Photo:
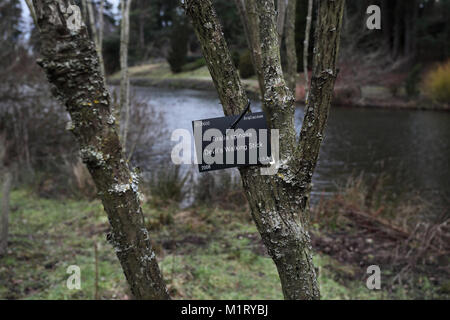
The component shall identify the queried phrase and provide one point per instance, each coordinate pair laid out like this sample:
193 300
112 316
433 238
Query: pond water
411 147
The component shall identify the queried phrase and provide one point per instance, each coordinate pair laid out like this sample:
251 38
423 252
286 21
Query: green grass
162 71
204 254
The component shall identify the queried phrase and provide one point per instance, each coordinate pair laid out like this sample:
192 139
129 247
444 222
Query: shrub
437 83
194 65
235 56
222 189
246 66
412 80
167 185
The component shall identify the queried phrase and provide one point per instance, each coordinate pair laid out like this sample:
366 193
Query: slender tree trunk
85 13
415 17
31 9
279 203
4 226
240 5
410 29
141 32
96 35
386 25
101 26
306 48
91 19
291 51
124 79
250 20
281 16
71 63
397 29
6 175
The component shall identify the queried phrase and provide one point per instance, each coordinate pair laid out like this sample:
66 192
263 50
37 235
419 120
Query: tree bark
124 79
278 203
306 48
291 51
71 64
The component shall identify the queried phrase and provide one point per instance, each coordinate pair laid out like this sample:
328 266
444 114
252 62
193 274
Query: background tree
291 48
279 203
306 47
281 17
6 174
124 76
249 18
97 35
10 12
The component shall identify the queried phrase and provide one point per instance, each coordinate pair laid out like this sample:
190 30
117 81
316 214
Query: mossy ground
204 253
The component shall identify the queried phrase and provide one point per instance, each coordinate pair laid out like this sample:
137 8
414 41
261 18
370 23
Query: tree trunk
84 11
396 47
415 17
4 196
4 225
291 51
278 203
281 16
250 20
101 26
95 35
410 29
31 9
386 25
71 63
124 79
306 48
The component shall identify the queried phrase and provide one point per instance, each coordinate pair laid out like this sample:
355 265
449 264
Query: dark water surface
411 147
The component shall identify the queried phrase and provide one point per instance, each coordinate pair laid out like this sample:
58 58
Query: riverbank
348 93
214 251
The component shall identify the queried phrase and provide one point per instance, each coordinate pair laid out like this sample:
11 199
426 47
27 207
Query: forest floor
204 253
362 90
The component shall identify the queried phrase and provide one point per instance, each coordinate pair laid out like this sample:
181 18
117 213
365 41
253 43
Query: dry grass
363 223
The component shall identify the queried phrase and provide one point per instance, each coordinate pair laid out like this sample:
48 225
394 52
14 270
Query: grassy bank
160 75
204 252
348 92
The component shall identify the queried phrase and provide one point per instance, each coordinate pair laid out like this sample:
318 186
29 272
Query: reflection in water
411 147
